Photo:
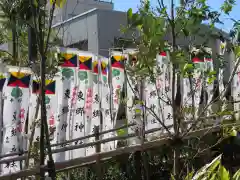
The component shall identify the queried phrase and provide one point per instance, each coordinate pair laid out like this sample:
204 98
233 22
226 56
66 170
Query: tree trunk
14 41
137 165
175 100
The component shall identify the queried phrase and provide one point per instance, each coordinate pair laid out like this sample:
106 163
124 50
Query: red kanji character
22 114
198 83
51 120
19 127
238 77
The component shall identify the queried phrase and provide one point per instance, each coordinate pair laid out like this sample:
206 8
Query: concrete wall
80 28
109 25
75 7
98 27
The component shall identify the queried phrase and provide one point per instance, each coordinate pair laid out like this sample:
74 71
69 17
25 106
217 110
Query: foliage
19 9
214 170
149 27
155 31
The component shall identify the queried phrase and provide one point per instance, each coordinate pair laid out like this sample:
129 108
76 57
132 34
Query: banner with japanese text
16 99
83 109
198 81
105 105
154 109
67 85
164 89
93 104
116 82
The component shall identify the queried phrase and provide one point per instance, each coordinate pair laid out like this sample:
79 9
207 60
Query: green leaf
237 51
189 176
224 174
172 177
213 177
211 80
188 67
236 176
227 7
129 13
213 167
233 132
121 132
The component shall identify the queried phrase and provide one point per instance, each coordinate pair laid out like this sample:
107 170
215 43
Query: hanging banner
105 105
51 107
94 103
222 49
227 106
188 89
153 111
117 79
209 73
164 86
67 85
16 100
134 111
82 111
197 81
210 77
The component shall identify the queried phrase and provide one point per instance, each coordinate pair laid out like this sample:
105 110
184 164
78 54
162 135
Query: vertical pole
32 45
110 84
43 116
1 121
144 153
98 149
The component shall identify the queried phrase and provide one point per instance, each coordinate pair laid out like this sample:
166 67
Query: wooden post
144 153
98 149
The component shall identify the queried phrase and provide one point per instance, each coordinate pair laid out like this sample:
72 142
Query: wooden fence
98 157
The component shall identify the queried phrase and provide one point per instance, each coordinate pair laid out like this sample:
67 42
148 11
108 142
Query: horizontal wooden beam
103 155
72 140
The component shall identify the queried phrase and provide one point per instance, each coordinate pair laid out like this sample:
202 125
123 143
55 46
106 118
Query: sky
124 5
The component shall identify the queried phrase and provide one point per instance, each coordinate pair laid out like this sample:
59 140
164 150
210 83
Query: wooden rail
106 155
72 140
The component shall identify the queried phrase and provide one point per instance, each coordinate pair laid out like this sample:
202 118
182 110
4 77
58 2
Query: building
75 7
95 26
95 30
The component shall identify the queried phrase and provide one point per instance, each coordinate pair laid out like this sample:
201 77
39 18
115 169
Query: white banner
66 101
16 100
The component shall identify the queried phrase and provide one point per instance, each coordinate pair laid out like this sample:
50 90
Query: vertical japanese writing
96 98
22 115
169 116
117 94
67 94
80 111
96 113
74 96
88 104
14 149
153 94
79 127
64 127
107 98
65 109
80 96
14 132
14 116
7 140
